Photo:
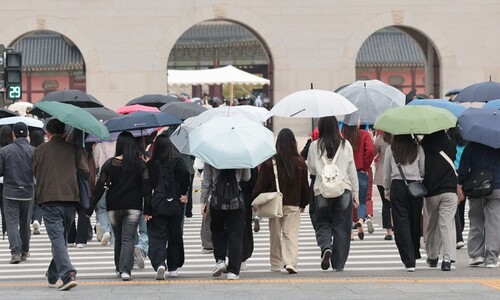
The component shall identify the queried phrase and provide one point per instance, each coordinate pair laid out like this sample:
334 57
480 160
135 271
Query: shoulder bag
416 189
270 204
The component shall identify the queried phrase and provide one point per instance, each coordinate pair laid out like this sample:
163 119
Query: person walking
406 209
483 243
57 192
382 142
171 179
227 220
441 200
126 179
292 179
18 192
333 216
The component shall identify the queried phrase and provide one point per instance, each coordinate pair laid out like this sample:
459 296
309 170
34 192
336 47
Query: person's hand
184 199
88 213
355 202
147 217
301 210
204 209
460 193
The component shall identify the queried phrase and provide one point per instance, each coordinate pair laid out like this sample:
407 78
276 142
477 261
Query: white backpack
332 184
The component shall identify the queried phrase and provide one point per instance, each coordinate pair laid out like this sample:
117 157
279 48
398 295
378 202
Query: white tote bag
270 204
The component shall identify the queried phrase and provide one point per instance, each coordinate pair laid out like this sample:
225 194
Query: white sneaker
493 265
476 261
206 251
125 276
220 268
410 269
80 246
139 260
369 224
71 245
98 229
160 273
188 219
243 266
105 238
232 276
36 227
460 245
173 273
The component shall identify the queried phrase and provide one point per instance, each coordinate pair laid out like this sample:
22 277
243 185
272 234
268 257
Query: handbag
477 184
416 189
270 204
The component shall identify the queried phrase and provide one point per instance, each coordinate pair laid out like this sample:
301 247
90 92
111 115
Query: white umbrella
232 143
21 107
312 104
26 120
372 98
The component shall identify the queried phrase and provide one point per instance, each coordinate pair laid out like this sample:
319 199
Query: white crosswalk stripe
96 261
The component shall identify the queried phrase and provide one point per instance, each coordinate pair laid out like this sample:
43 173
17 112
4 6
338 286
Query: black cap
20 129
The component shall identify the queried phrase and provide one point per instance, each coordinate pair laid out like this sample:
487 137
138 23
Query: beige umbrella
21 107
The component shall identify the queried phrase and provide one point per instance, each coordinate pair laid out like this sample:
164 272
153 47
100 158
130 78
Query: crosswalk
96 261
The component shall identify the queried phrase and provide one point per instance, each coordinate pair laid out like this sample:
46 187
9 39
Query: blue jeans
141 240
124 223
103 219
363 191
58 218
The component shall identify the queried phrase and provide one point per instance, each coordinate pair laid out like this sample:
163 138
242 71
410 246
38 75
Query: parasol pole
231 93
312 119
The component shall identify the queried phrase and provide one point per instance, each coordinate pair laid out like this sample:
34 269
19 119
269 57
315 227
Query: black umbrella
74 97
4 113
102 113
183 110
156 100
479 92
142 120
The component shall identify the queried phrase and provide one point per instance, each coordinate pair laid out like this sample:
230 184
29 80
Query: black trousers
386 209
312 202
81 230
406 215
189 204
227 236
163 230
247 231
460 221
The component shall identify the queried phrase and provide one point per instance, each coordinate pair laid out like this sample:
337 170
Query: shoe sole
68 286
325 260
371 229
361 235
218 272
291 270
105 239
477 263
15 262
139 259
160 274
256 225
98 229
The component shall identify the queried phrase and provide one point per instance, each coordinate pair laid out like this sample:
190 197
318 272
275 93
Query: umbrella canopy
183 110
28 121
74 116
232 143
413 119
74 97
312 104
453 92
372 97
455 109
142 120
102 113
4 113
114 135
480 92
180 137
21 107
480 125
135 108
492 104
156 100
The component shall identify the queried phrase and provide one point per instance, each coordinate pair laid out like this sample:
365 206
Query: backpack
165 199
226 194
332 184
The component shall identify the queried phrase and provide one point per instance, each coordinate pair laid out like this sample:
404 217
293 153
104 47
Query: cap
20 129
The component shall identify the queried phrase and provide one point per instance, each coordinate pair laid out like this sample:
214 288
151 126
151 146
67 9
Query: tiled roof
216 33
48 51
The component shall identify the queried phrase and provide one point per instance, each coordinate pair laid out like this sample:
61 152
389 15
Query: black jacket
15 166
439 176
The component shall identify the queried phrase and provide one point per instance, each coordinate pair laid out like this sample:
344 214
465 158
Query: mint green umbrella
423 119
74 116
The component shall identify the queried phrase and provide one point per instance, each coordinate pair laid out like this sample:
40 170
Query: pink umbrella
135 108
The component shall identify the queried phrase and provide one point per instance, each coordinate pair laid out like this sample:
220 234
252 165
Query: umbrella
480 125
28 121
180 137
114 135
232 143
4 113
480 92
74 97
453 92
135 108
312 104
142 120
156 100
74 116
21 107
455 109
372 97
183 110
102 113
415 119
492 104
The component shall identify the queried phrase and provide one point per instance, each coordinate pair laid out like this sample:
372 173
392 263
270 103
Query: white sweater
345 164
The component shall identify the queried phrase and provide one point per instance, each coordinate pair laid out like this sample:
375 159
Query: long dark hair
351 134
5 135
126 146
164 151
405 148
329 136
387 137
286 152
36 137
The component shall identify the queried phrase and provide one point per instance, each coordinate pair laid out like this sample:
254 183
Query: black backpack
165 199
226 194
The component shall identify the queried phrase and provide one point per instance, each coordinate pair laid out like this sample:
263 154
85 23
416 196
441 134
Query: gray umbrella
183 110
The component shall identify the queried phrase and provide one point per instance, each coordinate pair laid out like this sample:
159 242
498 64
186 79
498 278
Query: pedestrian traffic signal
13 75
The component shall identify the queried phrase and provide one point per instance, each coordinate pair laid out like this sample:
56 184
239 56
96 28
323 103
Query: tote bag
270 204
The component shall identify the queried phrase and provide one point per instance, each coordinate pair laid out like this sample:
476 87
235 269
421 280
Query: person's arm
311 158
99 187
146 191
2 162
369 153
387 171
206 187
421 161
264 180
304 187
463 169
183 175
351 170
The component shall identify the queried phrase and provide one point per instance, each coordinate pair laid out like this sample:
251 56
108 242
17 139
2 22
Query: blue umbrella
142 120
455 109
480 125
492 104
114 135
480 92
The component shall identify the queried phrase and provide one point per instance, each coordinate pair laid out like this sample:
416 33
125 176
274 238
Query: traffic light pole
2 81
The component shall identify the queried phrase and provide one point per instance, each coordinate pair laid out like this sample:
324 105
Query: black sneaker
446 265
325 259
433 263
15 259
69 283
